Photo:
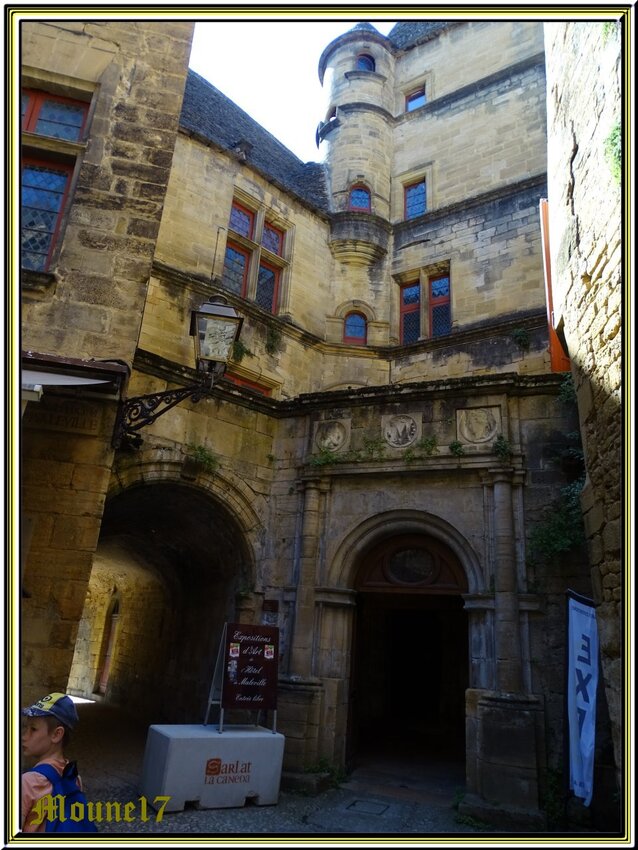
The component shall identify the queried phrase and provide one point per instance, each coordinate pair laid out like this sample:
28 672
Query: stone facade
587 256
363 497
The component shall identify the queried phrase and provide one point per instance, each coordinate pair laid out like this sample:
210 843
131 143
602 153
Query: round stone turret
357 72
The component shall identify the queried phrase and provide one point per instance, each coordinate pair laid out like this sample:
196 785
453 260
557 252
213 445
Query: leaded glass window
49 115
267 284
359 199
272 239
43 191
410 313
235 270
415 199
355 329
241 220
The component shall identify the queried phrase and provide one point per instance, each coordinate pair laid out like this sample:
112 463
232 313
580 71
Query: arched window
355 329
359 198
365 62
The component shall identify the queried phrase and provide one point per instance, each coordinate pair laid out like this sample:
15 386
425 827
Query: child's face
37 740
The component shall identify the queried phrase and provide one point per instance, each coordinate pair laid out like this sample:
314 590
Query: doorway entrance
410 660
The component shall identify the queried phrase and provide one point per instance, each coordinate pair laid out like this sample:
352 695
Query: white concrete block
196 764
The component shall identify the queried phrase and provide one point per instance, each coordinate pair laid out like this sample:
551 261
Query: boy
46 733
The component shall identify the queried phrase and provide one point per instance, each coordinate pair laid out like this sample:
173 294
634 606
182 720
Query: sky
269 69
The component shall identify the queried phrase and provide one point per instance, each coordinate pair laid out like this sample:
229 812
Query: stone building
369 473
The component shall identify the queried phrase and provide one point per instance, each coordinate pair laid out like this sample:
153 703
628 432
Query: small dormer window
359 198
365 62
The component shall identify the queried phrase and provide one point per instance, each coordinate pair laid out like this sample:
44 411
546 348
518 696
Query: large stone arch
374 530
180 547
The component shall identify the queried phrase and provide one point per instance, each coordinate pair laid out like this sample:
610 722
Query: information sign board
250 659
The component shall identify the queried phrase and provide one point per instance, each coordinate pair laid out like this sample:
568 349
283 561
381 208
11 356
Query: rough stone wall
584 106
90 303
93 306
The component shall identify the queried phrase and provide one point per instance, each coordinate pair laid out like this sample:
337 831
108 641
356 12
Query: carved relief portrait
332 435
478 424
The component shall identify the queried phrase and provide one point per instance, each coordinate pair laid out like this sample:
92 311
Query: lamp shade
215 326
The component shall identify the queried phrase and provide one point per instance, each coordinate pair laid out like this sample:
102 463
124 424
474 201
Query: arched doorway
169 563
410 659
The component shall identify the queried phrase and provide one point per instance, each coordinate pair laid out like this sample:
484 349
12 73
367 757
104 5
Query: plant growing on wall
613 151
502 449
456 448
273 340
239 351
521 338
560 528
203 457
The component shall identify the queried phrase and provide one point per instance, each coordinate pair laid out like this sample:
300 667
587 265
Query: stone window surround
424 82
45 148
259 254
425 172
422 275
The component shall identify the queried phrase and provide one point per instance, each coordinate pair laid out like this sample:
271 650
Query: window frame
251 216
268 225
240 249
408 309
37 98
412 95
53 165
355 340
359 186
438 302
369 58
406 188
276 270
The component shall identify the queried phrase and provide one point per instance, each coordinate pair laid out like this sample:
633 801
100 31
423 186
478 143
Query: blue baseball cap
55 705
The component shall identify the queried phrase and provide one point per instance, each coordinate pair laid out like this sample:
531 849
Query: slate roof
213 117
407 34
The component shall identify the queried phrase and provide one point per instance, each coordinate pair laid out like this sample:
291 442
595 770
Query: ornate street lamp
215 327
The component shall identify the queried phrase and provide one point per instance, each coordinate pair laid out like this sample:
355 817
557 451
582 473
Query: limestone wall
584 107
136 71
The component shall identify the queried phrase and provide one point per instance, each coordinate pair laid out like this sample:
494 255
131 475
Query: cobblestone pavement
377 800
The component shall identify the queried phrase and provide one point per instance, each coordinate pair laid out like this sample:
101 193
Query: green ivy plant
203 457
273 340
502 449
239 351
613 151
560 528
374 447
456 448
521 338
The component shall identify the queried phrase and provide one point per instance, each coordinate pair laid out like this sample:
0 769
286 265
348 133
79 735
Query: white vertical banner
582 683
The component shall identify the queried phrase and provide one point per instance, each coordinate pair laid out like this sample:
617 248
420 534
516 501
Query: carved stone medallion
478 424
400 431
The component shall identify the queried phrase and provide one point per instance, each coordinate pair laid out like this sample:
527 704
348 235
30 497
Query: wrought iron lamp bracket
135 413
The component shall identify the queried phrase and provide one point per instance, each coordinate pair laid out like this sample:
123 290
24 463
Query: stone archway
177 557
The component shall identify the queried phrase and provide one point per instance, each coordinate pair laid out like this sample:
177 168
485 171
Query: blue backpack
66 787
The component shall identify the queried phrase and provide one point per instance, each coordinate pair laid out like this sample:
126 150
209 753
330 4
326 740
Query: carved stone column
302 636
509 671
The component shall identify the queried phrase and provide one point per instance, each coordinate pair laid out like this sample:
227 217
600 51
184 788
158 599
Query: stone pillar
302 635
509 673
